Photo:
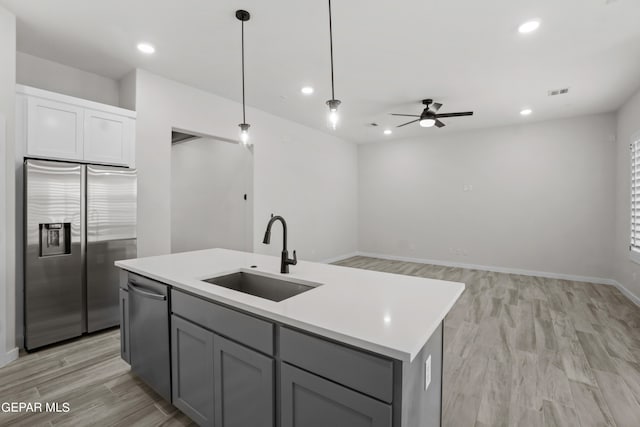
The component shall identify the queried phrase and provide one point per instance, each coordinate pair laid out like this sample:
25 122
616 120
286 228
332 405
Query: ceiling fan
430 116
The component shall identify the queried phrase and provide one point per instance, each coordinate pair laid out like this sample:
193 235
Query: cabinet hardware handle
137 290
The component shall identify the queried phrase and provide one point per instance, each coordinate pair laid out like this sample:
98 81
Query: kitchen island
322 346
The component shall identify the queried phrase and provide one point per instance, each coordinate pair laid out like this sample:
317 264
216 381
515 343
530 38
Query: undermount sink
261 286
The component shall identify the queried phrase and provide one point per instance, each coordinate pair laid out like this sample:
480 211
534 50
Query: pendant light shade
243 16
333 103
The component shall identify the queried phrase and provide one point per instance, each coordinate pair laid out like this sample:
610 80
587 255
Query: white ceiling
466 54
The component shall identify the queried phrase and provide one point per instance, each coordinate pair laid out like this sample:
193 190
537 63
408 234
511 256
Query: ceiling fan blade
435 107
467 113
439 124
404 115
408 123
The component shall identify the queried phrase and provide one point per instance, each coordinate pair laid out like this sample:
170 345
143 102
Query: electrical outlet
427 372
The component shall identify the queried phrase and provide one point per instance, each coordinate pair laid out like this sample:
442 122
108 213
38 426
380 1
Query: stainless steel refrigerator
79 219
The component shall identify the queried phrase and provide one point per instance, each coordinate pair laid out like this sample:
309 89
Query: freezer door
53 291
111 236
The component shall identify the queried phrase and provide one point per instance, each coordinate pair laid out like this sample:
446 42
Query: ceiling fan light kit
427 122
429 116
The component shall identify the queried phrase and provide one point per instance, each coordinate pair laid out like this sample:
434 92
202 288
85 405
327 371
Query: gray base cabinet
311 401
218 382
226 368
244 386
192 361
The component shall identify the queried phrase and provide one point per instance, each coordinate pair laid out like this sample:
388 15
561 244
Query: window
634 246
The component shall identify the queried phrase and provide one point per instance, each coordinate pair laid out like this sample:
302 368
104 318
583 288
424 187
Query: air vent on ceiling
556 92
180 137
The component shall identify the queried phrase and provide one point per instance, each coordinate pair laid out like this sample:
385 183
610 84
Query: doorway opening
211 193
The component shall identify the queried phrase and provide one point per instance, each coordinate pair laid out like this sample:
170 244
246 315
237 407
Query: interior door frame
249 185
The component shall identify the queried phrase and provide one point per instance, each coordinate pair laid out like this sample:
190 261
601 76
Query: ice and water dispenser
55 239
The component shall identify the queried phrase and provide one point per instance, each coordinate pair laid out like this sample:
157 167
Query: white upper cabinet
54 129
108 138
56 126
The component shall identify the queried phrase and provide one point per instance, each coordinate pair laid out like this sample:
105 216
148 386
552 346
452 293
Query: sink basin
261 286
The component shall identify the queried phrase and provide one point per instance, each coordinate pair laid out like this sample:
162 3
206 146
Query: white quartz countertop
389 314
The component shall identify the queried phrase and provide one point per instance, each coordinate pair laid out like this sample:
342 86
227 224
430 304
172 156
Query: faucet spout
285 260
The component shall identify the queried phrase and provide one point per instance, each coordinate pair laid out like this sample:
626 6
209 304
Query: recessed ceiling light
526 112
388 132
529 26
307 90
146 48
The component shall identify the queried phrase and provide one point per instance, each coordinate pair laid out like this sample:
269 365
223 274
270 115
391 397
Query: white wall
542 199
209 178
49 75
7 187
127 91
625 271
309 177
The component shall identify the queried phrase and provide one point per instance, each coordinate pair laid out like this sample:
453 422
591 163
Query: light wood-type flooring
529 351
519 351
88 374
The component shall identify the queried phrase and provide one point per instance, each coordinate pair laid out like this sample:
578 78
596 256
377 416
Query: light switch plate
427 372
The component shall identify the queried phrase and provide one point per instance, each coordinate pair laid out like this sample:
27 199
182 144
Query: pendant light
333 103
243 16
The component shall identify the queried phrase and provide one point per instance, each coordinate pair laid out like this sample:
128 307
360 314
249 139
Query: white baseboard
588 279
340 258
597 280
626 292
8 357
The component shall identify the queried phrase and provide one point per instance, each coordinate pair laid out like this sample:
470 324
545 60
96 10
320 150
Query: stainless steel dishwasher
149 333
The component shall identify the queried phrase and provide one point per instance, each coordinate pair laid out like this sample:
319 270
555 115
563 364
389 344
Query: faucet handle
294 261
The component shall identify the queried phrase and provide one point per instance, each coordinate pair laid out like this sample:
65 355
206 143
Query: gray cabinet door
192 359
244 386
124 325
310 401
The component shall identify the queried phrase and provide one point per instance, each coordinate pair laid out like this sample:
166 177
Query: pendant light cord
244 119
333 94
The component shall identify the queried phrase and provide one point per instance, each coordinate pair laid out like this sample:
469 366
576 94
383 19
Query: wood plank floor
520 351
529 351
88 374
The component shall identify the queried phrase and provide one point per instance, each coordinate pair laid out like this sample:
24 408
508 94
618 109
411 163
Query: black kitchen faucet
284 261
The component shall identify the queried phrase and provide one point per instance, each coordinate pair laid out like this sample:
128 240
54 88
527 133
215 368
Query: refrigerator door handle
145 293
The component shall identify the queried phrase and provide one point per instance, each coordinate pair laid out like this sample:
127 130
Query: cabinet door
108 138
192 359
124 325
244 386
310 401
54 130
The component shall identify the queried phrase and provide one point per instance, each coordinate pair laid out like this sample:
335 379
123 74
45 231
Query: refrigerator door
53 228
111 236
